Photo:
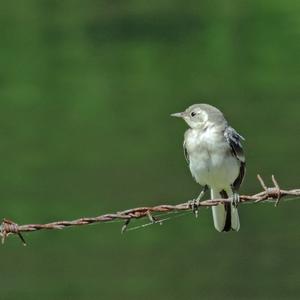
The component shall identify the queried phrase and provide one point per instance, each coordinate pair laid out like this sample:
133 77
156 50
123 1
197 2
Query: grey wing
186 155
234 140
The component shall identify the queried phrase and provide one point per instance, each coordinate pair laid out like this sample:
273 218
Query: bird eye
193 114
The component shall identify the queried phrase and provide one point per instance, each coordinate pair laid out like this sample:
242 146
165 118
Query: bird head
200 115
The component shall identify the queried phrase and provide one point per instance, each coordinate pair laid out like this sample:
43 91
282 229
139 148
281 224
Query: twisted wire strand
269 194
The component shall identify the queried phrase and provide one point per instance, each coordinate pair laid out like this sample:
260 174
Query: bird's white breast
211 161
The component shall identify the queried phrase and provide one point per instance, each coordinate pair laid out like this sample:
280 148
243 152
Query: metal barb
278 190
3 236
262 182
263 185
124 227
151 218
22 239
9 227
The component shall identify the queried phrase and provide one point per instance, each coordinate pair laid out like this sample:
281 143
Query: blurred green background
86 91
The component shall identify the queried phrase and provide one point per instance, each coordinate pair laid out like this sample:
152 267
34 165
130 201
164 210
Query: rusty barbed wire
272 194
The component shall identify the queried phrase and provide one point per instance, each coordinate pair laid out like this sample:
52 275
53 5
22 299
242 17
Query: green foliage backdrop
86 91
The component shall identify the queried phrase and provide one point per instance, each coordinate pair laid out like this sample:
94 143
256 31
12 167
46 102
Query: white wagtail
216 159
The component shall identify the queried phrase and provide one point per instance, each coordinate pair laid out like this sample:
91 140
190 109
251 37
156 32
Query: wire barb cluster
272 194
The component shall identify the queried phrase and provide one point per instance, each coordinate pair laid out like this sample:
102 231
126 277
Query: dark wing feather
234 140
186 155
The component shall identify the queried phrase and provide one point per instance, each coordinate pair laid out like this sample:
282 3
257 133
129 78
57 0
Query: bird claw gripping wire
194 206
195 203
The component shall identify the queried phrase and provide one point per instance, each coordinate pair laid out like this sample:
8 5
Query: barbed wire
270 194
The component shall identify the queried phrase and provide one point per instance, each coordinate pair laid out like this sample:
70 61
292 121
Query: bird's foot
195 203
235 199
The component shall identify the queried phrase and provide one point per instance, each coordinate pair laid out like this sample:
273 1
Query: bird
214 153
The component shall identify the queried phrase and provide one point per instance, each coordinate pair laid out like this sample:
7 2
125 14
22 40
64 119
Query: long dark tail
227 206
225 215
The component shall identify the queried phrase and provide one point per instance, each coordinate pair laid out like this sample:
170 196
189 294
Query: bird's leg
194 204
235 197
205 188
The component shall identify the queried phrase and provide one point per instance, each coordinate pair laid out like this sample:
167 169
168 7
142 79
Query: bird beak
178 115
